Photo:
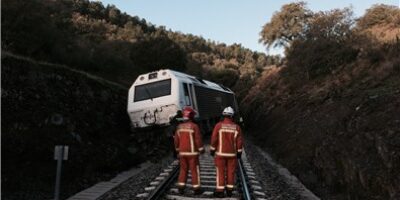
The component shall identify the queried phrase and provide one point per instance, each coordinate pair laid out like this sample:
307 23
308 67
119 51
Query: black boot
198 191
229 193
219 194
181 190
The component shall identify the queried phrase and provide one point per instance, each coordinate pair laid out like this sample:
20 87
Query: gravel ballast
137 184
276 180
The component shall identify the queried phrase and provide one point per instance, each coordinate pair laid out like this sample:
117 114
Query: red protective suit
189 144
226 141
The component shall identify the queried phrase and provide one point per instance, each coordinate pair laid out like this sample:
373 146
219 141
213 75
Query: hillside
104 41
338 134
330 113
46 105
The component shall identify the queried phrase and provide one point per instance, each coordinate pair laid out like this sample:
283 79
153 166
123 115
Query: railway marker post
60 154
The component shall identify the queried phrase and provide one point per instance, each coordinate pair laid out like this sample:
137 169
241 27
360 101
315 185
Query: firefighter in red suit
189 145
227 146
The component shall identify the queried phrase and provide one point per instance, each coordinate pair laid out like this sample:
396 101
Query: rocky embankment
339 134
44 105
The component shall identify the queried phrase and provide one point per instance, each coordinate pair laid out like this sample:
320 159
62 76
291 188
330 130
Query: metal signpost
60 154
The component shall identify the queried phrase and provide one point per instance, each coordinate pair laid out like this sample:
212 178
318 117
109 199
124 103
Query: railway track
164 186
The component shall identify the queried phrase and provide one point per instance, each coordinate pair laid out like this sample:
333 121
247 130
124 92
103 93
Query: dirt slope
340 134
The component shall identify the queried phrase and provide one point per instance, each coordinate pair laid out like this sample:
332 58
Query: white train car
154 98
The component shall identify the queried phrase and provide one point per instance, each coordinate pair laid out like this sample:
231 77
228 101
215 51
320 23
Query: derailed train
154 98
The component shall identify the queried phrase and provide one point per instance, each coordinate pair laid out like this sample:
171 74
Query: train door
191 100
187 97
192 96
205 125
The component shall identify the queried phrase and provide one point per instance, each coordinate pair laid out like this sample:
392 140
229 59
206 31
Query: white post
59 151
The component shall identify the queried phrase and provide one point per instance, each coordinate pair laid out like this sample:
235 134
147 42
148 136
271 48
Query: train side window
186 93
191 94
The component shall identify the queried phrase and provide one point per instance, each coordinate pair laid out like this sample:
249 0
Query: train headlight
153 75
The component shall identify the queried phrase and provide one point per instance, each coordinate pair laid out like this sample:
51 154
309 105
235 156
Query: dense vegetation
330 111
316 43
102 40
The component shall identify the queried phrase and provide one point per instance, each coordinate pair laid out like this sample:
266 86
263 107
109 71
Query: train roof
200 82
192 79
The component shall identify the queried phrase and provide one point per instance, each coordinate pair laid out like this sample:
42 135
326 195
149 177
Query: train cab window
186 93
152 90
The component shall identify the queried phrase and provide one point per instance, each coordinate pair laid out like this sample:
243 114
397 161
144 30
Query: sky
226 21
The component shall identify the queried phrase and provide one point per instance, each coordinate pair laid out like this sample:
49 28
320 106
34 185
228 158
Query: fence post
60 154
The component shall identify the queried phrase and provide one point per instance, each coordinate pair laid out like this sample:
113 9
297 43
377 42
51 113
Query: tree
158 53
227 77
286 25
333 25
96 10
29 29
380 14
114 14
327 43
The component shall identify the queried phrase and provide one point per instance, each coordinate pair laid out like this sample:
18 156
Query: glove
212 153
239 155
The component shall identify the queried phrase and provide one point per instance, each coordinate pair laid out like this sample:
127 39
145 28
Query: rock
57 119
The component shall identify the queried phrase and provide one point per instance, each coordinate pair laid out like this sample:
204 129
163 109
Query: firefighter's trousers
189 163
227 164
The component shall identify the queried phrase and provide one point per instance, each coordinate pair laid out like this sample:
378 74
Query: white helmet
228 111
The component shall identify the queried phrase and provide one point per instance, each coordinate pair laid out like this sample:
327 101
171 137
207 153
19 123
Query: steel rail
163 186
245 188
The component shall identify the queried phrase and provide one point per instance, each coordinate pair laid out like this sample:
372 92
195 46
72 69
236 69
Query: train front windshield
152 90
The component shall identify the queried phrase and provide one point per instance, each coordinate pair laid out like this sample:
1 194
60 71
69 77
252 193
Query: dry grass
386 33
